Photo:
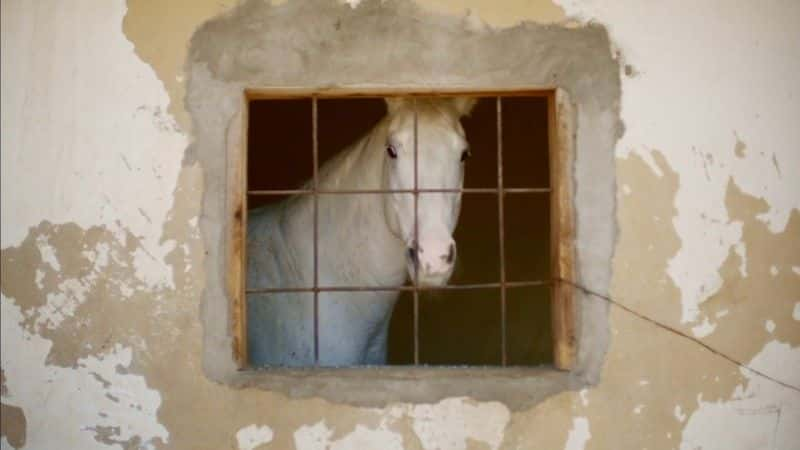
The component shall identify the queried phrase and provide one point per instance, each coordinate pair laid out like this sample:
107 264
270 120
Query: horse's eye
465 155
391 151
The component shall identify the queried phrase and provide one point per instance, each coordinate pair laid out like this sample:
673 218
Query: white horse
363 239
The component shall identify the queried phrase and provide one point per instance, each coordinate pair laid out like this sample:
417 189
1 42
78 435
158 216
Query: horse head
441 148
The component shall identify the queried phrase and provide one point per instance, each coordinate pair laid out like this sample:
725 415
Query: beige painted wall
102 262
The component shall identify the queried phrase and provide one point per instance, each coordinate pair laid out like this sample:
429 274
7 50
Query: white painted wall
706 76
709 74
86 137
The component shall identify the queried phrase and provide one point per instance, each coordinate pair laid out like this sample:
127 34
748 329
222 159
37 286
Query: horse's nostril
451 255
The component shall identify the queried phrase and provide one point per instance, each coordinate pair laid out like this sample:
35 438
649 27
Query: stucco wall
103 263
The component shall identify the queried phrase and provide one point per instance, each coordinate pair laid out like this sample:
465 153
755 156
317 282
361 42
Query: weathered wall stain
13 426
759 287
643 385
75 251
159 32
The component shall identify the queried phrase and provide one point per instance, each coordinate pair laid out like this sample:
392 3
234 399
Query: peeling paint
760 415
159 34
318 437
679 415
704 329
450 424
702 222
93 386
253 436
741 250
584 393
579 435
13 426
103 128
48 255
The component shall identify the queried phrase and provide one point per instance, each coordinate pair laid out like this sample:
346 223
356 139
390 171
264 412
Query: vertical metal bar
416 236
241 337
501 233
315 151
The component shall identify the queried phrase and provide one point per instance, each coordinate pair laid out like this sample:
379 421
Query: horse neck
353 226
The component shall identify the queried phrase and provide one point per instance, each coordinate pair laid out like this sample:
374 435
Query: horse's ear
464 105
393 104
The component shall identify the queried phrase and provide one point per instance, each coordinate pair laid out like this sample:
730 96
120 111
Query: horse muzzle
431 262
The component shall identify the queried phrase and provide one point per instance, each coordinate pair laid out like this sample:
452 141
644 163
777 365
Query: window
503 304
238 57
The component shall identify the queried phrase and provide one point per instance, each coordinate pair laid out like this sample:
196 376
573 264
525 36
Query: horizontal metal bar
401 191
370 91
449 287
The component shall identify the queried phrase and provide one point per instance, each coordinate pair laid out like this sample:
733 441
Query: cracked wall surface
103 262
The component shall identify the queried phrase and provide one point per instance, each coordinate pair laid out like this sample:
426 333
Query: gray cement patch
321 45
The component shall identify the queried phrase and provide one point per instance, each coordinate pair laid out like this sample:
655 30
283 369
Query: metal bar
275 93
241 312
400 191
404 288
416 236
315 150
501 233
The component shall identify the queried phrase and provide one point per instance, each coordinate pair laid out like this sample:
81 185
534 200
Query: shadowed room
456 326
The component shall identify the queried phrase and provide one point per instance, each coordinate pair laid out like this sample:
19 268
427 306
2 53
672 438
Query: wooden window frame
562 228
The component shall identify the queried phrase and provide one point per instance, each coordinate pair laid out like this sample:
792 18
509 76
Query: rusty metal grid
415 288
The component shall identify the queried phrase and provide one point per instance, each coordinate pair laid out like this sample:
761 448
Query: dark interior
457 327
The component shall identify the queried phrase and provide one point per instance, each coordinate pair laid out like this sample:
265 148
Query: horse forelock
431 108
436 116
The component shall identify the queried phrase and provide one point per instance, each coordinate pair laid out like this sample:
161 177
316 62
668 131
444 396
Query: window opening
492 308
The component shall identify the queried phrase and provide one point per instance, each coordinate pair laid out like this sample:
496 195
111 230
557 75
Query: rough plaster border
319 44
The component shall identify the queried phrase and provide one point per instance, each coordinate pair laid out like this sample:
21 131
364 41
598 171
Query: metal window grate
500 191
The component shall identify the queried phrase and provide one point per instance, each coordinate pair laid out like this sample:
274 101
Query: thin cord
677 332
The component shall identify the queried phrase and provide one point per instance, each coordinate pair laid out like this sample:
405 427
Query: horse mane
334 171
